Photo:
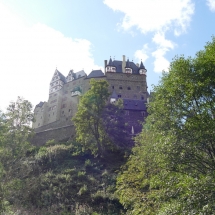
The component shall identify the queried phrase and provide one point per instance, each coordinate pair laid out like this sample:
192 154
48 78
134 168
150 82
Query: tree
14 134
97 121
180 148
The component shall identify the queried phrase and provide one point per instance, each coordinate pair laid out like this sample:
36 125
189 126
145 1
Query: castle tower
127 81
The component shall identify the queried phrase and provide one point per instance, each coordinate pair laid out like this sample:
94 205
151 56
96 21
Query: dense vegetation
171 169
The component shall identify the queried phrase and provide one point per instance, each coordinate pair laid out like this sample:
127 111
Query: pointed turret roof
141 66
110 62
114 95
127 64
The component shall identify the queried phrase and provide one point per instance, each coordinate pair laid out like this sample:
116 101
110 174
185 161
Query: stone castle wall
60 134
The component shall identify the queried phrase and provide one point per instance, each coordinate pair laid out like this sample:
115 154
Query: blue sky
38 36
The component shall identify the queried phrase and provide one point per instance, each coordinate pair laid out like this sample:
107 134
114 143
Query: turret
113 97
128 68
142 69
110 67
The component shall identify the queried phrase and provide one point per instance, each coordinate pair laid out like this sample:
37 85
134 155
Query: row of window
52 108
125 96
128 88
55 83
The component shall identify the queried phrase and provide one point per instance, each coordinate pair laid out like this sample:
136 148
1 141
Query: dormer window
128 70
142 72
110 69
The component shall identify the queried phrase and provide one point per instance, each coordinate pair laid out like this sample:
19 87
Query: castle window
128 70
63 112
120 87
69 110
129 88
38 124
63 106
53 113
142 113
112 87
119 96
142 97
138 87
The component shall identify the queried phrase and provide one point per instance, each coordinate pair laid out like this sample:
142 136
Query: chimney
105 64
123 63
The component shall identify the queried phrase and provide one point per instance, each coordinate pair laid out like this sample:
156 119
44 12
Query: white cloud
29 56
158 17
142 53
163 46
154 15
211 4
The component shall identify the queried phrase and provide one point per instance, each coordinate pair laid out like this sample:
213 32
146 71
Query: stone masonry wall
60 134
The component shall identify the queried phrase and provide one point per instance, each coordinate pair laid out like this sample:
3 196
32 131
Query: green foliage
14 133
59 180
171 169
98 125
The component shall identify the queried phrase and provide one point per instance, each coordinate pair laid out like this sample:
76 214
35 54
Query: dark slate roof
40 104
110 62
132 65
127 64
130 104
142 66
80 74
114 95
95 74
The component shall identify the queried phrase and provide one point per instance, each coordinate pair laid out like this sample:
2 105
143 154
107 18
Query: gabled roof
130 104
62 77
80 74
96 74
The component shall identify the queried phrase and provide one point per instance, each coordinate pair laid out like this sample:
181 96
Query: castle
126 81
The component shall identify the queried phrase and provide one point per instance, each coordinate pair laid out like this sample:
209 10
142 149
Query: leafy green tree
14 134
97 122
177 143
